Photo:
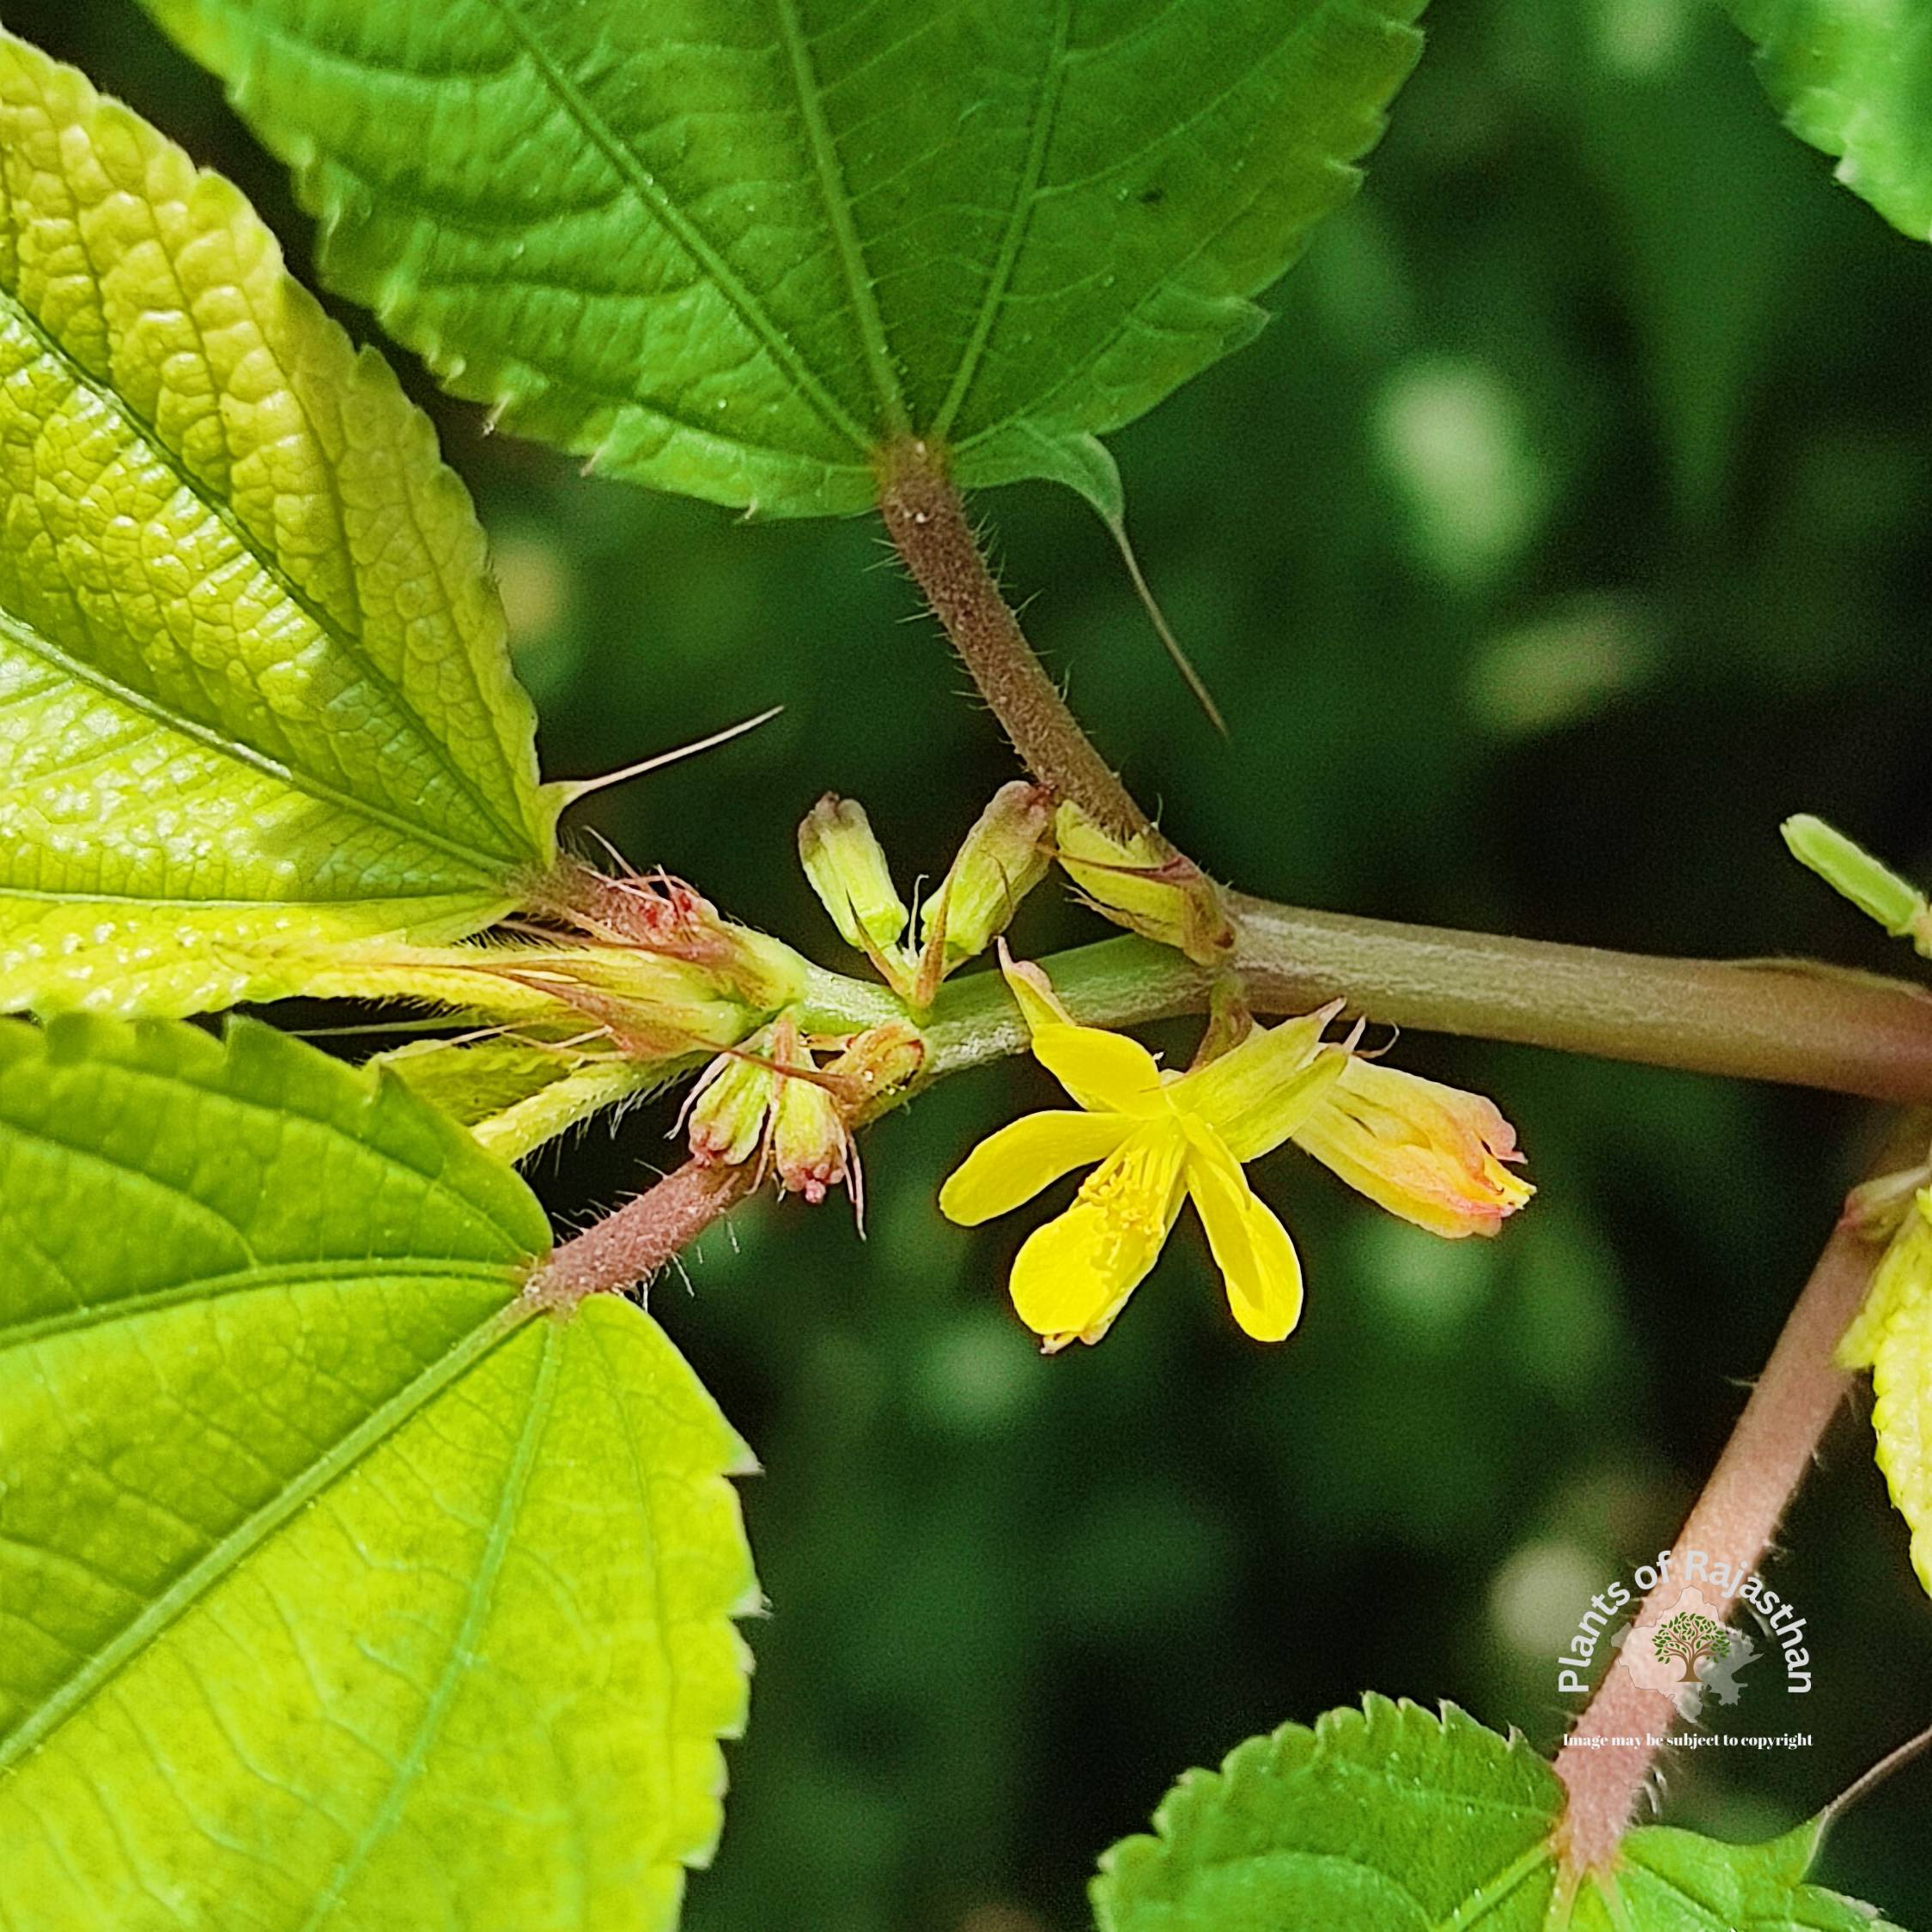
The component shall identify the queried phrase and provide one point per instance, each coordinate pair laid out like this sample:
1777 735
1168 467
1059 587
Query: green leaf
1854 77
1390 1819
339 1587
255 698
732 249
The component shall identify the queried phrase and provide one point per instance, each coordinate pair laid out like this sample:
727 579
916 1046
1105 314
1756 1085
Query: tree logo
1692 1636
1685 1651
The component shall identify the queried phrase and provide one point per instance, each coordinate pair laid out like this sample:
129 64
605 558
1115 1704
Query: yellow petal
1106 1073
1256 1096
1074 1274
1251 1248
1033 991
1012 1165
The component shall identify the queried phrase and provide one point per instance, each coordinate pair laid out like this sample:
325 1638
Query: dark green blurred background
1568 529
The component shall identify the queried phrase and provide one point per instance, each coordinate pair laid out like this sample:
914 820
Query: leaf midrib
837 199
174 1603
490 868
1045 107
117 405
679 225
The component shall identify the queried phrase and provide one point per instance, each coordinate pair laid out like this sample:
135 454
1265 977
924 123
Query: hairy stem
629 1246
926 519
1605 1763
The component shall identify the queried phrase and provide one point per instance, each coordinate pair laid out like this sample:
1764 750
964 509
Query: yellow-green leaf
340 1586
255 698
1892 1338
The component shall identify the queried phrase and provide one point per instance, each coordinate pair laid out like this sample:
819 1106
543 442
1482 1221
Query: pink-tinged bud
1002 859
660 917
1432 1154
809 1141
1144 884
769 1099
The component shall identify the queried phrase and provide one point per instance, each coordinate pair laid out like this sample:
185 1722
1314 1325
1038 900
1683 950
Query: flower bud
848 872
1002 859
1432 1154
809 1141
769 1096
1871 886
661 918
1144 884
731 1103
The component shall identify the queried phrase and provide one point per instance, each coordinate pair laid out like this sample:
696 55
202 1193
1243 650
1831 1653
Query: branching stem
1606 1762
1806 1025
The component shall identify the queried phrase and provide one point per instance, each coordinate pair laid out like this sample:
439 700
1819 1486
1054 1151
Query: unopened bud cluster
1003 858
653 969
771 1099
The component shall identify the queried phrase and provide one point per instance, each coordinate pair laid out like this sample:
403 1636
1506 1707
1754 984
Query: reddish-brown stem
1605 1763
928 525
626 1248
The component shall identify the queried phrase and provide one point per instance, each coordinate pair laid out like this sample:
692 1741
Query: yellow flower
1432 1154
1160 1139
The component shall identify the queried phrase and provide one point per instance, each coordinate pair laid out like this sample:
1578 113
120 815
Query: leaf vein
1025 198
17 631
68 1698
270 566
248 1281
859 282
644 184
478 1602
